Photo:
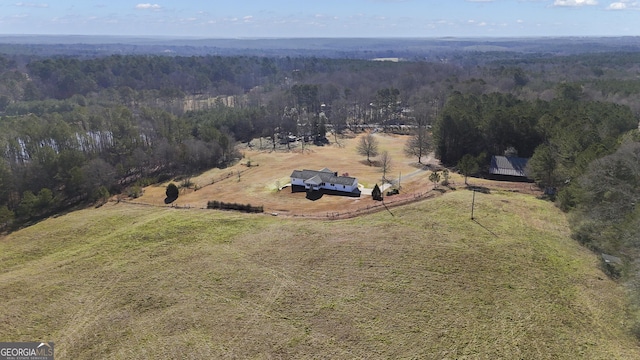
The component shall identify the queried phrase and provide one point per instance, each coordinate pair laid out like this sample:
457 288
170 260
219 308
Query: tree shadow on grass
480 189
169 200
373 162
484 227
314 195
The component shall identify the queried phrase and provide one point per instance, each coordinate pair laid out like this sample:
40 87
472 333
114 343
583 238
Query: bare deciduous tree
419 144
368 146
385 164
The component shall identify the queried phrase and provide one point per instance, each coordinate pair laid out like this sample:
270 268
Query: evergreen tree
172 191
468 165
376 193
435 179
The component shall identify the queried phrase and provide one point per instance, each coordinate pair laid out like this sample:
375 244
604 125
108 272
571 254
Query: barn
508 168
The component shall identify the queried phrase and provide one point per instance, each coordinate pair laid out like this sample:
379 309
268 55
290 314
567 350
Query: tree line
584 153
77 129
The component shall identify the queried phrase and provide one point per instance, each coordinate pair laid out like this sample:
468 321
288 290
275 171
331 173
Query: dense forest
75 130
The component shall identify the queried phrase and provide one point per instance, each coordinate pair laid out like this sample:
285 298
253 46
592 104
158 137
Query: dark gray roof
316 180
325 175
513 166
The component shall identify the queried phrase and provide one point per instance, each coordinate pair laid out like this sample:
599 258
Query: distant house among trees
509 168
325 179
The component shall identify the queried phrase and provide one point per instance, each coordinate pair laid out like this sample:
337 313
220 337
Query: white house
324 179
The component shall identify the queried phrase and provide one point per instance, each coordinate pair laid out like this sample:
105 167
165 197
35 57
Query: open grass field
128 281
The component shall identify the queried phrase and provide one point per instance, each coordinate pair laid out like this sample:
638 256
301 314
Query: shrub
100 194
26 206
234 206
134 192
163 177
146 181
445 176
6 216
393 192
186 182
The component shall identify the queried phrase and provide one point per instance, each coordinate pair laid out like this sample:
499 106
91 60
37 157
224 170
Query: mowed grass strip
420 281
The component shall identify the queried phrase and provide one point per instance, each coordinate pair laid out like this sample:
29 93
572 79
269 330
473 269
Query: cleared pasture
270 170
129 281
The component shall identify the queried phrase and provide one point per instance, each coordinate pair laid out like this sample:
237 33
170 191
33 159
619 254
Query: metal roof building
511 166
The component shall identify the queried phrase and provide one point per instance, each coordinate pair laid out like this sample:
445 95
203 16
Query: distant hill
361 48
125 281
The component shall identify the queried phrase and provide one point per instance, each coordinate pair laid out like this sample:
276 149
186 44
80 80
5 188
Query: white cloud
574 2
148 6
617 6
32 5
624 5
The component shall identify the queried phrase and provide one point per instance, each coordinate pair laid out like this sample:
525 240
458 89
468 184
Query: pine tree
376 193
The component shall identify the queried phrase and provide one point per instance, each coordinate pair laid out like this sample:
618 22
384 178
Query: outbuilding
509 168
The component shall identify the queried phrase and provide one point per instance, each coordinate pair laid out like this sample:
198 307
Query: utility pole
473 203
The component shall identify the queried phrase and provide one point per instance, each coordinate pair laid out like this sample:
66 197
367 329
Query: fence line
329 215
369 208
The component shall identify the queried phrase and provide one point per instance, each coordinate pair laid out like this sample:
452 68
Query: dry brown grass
258 184
126 282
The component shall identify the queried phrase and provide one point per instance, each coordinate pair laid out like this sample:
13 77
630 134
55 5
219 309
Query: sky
322 18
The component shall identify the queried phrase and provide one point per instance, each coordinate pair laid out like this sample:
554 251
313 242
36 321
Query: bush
45 199
234 206
27 205
146 181
134 192
186 182
100 194
612 270
6 216
163 177
445 175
